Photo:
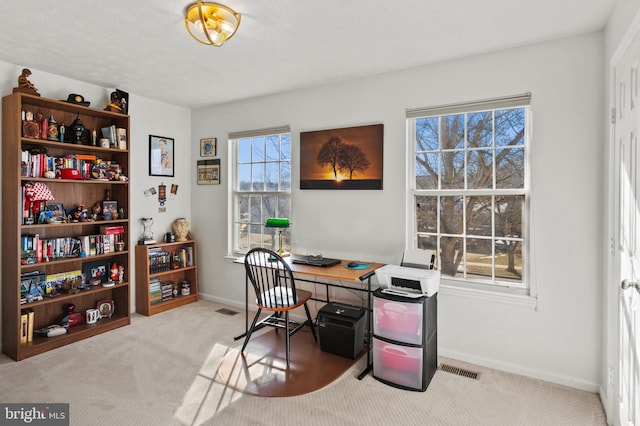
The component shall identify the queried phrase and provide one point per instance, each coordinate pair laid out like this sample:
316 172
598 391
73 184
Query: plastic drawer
398 320
397 364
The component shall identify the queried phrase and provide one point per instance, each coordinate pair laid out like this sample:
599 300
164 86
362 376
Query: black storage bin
342 329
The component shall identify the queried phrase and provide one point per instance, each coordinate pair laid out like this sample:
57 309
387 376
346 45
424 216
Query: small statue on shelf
115 104
120 273
24 85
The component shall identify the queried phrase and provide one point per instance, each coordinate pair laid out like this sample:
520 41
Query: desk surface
336 272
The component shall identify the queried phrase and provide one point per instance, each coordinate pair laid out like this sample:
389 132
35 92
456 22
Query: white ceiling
143 47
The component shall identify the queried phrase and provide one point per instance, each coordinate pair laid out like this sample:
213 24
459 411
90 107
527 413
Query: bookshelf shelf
146 256
18 152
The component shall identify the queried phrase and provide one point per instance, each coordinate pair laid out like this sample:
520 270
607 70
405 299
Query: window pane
480 169
451 255
509 211
479 216
509 260
255 209
269 207
479 258
427 170
452 170
272 176
285 147
257 172
452 131
257 149
255 236
244 177
285 176
243 205
428 242
480 129
510 127
284 206
427 214
451 215
242 231
427 134
273 148
510 168
244 151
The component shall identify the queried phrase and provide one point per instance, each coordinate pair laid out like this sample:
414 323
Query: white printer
407 281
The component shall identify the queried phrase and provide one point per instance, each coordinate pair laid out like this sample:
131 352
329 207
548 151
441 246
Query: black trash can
342 329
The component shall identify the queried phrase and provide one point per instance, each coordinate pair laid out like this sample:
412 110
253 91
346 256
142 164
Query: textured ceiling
143 47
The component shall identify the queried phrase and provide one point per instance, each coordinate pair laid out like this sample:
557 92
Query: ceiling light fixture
211 23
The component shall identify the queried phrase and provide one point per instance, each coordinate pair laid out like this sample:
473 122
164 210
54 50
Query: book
121 137
24 327
30 320
110 133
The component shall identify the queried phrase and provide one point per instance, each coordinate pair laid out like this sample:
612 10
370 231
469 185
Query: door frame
609 387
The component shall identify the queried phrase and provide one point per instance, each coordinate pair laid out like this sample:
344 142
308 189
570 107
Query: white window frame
234 191
522 293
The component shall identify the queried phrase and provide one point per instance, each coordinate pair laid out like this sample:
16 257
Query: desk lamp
281 224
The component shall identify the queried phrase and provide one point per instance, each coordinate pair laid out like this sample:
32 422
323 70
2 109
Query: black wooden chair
276 292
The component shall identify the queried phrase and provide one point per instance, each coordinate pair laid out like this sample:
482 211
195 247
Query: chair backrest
271 278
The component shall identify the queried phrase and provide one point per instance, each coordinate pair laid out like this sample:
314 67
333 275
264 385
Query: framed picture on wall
161 156
208 147
209 172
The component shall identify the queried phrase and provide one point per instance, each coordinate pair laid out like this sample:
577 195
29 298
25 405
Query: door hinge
613 116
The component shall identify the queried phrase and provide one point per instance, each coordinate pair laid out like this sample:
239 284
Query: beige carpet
162 370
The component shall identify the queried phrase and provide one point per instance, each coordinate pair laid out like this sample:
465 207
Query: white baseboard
521 370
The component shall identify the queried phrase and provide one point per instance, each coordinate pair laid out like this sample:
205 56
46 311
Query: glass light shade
211 23
277 222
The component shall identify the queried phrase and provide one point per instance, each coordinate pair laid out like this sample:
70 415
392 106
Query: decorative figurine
114 272
120 273
72 318
24 85
115 105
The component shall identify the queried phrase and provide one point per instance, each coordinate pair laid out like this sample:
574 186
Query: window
468 191
262 186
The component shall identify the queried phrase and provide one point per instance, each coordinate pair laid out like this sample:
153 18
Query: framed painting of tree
346 158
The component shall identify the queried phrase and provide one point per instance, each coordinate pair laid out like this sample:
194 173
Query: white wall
147 117
560 339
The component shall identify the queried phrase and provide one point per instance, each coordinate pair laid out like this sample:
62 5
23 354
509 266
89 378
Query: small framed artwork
109 209
161 156
208 147
209 172
56 209
97 270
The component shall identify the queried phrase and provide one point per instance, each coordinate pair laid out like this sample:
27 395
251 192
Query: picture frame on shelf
57 209
161 156
208 147
96 270
109 208
209 172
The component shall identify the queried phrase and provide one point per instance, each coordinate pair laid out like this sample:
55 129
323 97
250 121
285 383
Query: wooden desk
337 272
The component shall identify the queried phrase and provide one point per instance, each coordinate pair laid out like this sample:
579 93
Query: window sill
506 296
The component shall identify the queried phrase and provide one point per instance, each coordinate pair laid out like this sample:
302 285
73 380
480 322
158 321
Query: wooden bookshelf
69 193
148 271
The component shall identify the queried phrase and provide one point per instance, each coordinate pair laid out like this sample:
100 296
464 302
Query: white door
626 270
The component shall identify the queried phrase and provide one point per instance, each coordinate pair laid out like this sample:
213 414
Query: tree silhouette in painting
352 159
346 159
330 153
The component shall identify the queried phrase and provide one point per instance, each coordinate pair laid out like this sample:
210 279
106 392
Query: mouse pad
359 266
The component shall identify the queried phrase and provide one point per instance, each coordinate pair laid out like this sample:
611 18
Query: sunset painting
348 158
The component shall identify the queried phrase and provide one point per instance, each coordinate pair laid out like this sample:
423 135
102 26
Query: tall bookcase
170 264
18 142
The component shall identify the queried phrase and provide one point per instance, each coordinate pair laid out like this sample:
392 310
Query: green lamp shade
277 222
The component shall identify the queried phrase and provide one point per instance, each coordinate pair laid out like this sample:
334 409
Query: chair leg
286 320
253 324
310 322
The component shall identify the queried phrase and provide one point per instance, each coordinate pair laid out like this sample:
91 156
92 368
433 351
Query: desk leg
369 332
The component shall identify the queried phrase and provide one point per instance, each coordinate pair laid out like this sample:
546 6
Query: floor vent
459 371
226 311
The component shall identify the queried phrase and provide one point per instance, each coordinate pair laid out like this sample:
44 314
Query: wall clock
208 147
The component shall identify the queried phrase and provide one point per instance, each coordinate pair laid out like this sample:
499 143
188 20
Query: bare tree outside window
470 192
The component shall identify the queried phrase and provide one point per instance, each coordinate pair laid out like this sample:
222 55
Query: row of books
160 291
159 260
37 250
35 163
27 317
184 257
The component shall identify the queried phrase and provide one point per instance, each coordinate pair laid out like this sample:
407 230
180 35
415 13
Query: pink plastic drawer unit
401 365
398 320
